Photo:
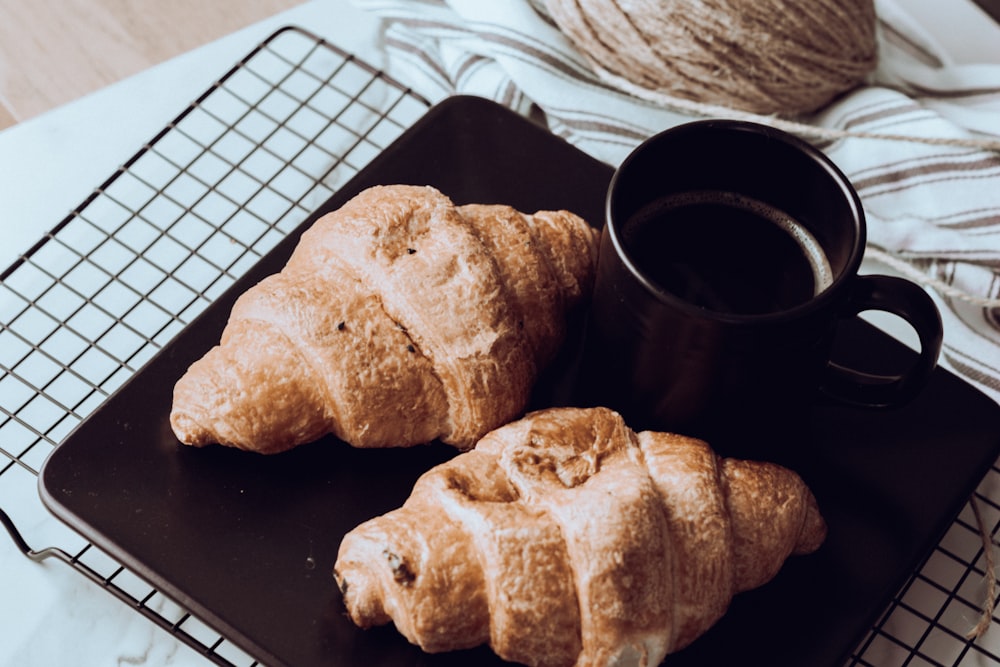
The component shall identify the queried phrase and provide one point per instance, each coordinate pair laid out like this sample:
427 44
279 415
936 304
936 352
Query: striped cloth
933 206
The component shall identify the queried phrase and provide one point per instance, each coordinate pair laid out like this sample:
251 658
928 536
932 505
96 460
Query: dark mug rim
840 281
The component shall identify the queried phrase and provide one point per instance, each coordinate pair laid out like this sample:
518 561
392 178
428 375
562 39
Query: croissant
400 318
565 538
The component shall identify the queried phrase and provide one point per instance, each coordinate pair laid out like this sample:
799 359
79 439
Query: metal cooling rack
927 621
113 282
154 244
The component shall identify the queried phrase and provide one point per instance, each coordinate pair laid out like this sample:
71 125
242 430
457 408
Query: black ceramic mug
729 255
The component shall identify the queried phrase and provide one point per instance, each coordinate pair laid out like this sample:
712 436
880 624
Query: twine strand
918 276
691 107
990 577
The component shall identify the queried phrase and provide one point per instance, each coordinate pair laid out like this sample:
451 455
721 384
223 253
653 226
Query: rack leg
37 556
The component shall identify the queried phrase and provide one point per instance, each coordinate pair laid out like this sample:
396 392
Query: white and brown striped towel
933 207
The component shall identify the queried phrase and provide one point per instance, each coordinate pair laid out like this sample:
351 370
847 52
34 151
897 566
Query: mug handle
910 302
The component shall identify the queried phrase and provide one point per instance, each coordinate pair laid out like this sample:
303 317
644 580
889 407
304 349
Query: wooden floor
54 51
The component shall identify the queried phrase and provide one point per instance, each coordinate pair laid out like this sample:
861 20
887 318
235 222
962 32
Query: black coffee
726 253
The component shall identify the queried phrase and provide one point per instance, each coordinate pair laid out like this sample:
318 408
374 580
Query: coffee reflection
726 252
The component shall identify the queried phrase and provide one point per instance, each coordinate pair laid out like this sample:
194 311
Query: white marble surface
50 614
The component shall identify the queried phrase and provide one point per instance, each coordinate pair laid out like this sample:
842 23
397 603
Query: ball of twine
784 57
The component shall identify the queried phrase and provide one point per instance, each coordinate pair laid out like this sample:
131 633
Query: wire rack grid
155 244
170 230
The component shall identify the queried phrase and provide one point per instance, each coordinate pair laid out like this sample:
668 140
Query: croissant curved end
814 529
187 430
362 597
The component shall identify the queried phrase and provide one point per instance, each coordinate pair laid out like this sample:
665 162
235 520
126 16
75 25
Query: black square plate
248 543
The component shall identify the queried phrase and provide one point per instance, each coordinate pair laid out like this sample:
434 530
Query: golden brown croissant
399 318
565 538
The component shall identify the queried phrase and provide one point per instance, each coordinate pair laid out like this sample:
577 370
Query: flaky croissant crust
567 539
399 319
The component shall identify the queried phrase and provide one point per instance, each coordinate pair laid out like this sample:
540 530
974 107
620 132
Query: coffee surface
726 253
